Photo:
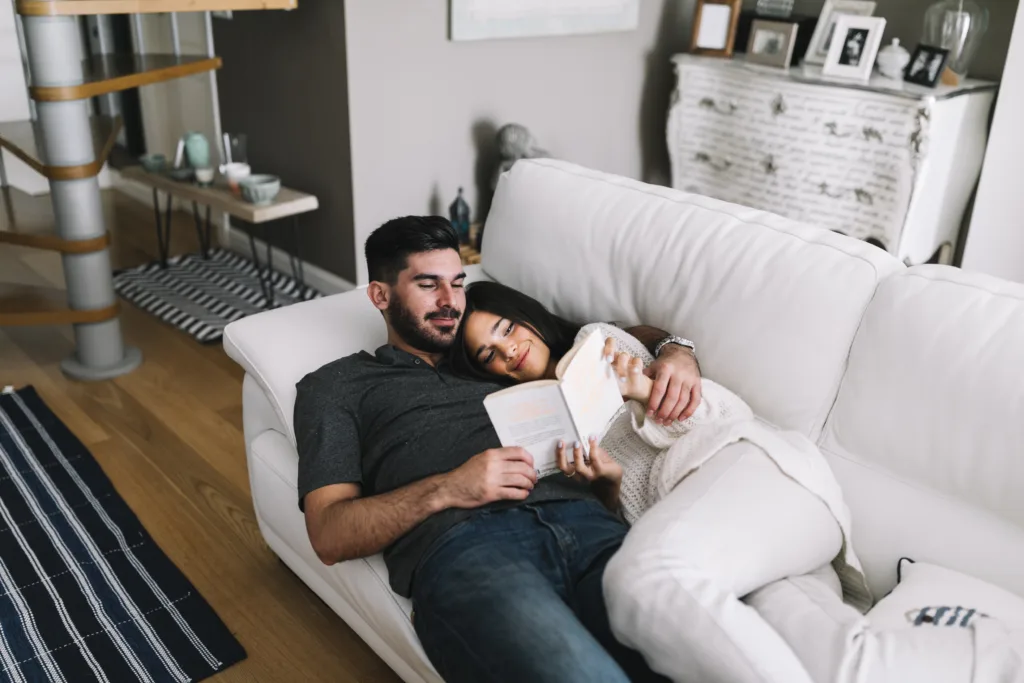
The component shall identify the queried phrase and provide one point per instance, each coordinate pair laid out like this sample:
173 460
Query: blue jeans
515 595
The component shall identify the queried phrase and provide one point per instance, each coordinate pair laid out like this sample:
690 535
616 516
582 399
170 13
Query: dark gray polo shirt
389 420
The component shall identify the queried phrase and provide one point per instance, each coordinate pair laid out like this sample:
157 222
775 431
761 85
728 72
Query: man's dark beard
417 333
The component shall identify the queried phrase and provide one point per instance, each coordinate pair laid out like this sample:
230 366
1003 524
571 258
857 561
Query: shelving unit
69 146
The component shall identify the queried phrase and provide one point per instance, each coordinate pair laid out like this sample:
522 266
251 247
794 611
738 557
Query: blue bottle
458 213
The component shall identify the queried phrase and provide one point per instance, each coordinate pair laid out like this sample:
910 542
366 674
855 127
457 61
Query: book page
534 418
590 387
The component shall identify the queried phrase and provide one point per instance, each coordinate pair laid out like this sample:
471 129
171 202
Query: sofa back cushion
927 433
771 304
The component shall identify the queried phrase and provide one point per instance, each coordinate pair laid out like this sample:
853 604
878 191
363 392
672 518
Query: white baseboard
316 277
236 240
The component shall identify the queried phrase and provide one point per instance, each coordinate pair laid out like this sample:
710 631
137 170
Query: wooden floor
169 436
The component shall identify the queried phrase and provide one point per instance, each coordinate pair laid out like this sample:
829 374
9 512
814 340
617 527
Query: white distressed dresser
885 161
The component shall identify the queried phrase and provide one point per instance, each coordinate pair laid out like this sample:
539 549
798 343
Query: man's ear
380 295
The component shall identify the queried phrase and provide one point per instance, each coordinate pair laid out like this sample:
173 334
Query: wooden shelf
23 305
104 74
51 8
288 202
24 140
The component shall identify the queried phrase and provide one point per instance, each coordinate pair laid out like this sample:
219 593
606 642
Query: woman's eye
511 326
488 358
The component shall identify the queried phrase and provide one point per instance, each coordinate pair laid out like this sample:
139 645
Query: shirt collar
392 355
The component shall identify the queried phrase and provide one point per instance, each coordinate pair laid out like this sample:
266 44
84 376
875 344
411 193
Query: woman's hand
633 383
600 470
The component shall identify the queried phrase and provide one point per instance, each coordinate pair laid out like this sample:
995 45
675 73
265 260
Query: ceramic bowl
153 163
260 188
204 176
235 172
181 173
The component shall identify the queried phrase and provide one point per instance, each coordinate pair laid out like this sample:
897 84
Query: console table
288 203
888 162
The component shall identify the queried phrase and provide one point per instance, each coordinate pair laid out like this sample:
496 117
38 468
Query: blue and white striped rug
85 593
201 296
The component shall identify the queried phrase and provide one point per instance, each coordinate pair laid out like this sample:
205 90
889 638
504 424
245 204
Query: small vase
958 26
197 149
892 60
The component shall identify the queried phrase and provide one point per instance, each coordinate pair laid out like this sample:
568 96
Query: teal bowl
259 188
182 173
154 163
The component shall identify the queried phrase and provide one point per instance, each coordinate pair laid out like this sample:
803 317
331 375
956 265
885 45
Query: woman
730 508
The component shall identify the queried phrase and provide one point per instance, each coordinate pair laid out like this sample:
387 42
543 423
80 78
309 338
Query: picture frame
714 27
821 41
926 65
771 43
854 47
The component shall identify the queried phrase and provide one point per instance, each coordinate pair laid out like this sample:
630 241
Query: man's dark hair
388 247
555 331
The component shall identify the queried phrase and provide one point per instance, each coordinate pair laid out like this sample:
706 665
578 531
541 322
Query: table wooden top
287 203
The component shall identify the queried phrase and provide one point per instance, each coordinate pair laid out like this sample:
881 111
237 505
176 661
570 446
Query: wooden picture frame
771 43
714 27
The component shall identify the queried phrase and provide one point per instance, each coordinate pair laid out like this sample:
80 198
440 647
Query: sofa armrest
279 347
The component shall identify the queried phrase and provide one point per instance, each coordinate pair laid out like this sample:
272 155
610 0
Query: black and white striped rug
85 593
200 296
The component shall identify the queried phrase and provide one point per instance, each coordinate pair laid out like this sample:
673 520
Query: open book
580 403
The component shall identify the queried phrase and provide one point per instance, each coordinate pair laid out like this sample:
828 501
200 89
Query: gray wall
424 109
283 84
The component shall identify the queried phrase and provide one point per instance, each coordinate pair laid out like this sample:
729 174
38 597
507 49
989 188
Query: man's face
425 305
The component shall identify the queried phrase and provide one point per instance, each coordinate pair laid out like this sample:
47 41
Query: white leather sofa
911 380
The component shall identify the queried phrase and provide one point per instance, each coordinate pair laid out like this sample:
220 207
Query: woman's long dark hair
558 333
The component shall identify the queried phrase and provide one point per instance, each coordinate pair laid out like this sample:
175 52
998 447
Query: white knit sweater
656 458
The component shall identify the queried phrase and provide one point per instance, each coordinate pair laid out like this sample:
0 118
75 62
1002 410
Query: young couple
515 578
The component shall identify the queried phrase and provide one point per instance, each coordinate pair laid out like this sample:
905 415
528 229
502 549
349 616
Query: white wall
172 108
420 105
14 102
995 242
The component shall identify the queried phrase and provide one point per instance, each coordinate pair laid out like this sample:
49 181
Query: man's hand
600 470
676 391
495 474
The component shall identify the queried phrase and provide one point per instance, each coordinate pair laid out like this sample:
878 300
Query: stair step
24 140
25 305
112 73
80 7
50 241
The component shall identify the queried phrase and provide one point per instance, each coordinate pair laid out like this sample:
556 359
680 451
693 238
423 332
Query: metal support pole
140 38
54 60
225 220
175 36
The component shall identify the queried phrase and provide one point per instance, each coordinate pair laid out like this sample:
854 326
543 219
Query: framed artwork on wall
821 41
493 19
714 27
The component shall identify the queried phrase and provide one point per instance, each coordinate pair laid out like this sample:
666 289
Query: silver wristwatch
671 339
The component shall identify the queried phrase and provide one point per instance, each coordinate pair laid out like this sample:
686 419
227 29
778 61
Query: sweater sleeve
717 405
624 341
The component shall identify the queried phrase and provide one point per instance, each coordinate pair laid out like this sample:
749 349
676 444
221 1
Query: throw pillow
932 596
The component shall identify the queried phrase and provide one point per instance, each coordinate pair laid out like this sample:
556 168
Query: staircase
69 146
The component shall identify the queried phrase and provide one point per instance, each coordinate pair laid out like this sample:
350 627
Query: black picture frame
926 65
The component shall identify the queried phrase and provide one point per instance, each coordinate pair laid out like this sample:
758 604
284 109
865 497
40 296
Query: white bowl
235 172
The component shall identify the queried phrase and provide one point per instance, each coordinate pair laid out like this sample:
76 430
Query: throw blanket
656 458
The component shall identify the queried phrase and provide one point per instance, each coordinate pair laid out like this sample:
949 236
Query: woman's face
505 348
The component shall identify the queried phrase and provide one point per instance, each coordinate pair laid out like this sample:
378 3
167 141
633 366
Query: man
397 454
